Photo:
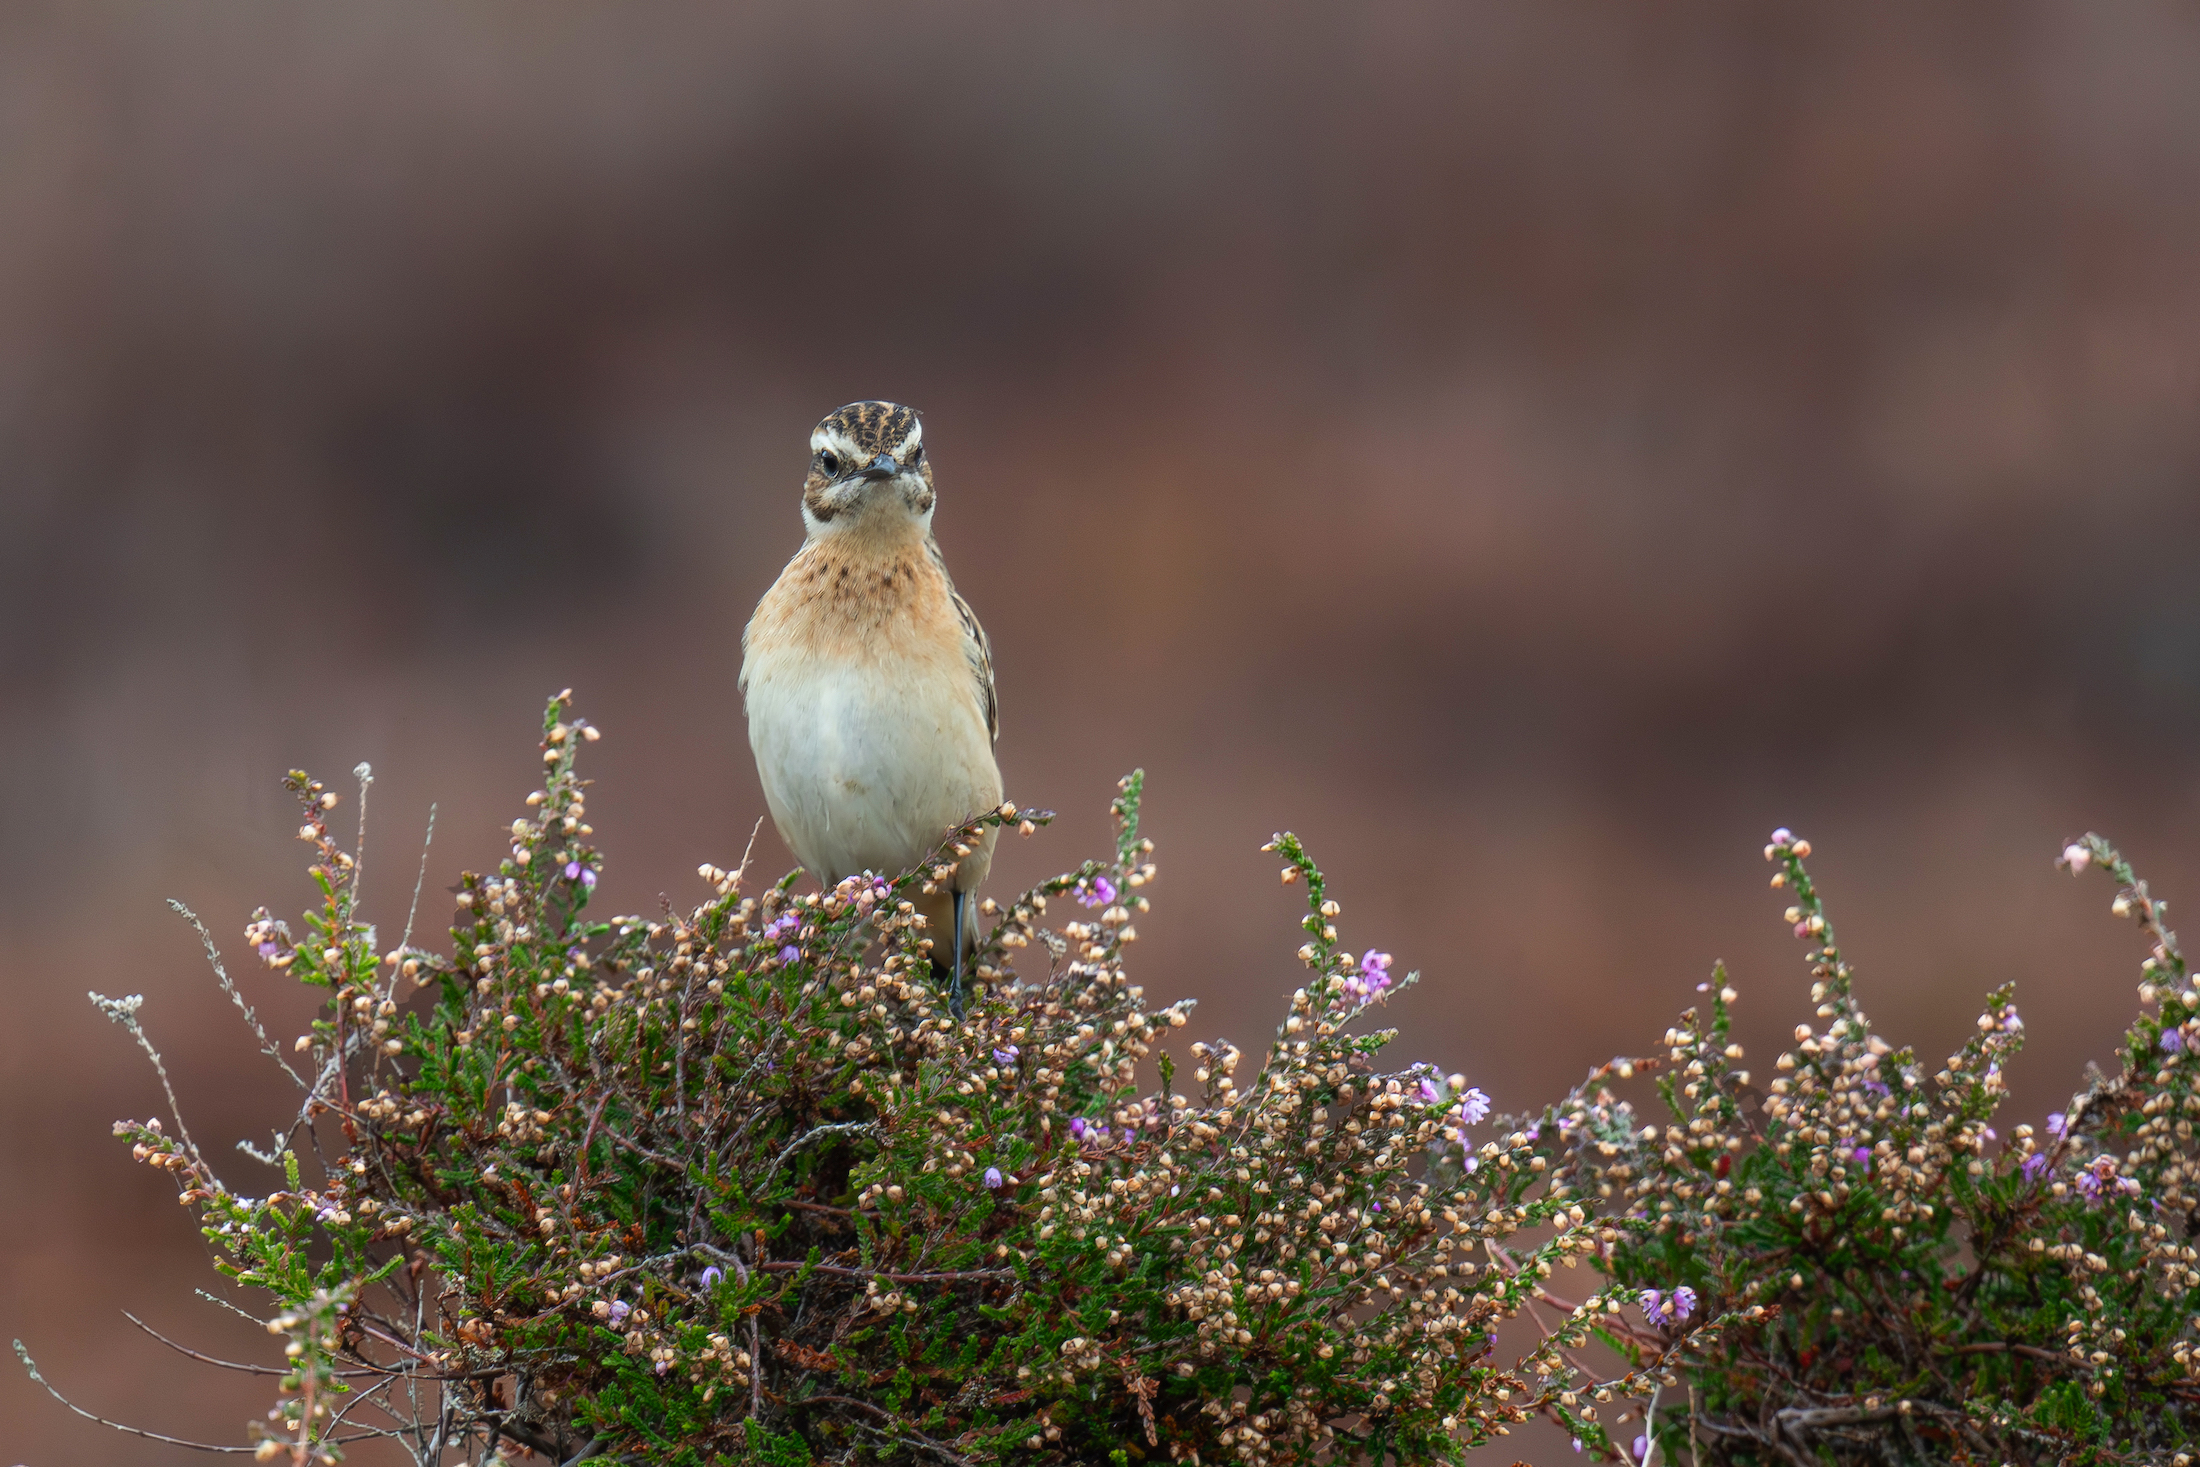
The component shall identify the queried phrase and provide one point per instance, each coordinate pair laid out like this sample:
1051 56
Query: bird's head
867 468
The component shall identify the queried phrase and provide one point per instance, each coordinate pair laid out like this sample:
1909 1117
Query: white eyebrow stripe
822 440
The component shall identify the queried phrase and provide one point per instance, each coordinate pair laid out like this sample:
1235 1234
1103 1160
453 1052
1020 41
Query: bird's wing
976 647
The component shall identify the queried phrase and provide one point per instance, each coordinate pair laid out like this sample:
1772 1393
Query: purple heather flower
588 879
1659 1309
2034 1165
1007 1056
1096 892
790 954
712 1276
572 871
1377 1206
1577 1443
1430 1090
993 1178
1473 1107
2011 1024
2089 1183
1375 970
2173 1041
619 1310
663 1366
1862 1156
268 949
1783 836
1077 1127
1642 1448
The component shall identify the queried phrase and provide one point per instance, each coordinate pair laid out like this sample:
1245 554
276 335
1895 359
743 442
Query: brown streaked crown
872 428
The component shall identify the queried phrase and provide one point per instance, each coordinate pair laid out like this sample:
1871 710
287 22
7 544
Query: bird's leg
955 984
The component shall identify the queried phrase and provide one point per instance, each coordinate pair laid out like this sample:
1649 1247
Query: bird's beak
882 467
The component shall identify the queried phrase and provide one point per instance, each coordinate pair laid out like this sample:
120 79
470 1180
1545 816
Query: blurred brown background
1529 451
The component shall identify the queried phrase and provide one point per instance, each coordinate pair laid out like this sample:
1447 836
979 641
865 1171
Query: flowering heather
732 1184
1894 1285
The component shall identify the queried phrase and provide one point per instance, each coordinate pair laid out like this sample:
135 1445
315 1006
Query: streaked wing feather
976 647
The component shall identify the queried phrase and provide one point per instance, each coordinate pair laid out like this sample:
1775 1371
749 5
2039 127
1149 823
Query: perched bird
868 681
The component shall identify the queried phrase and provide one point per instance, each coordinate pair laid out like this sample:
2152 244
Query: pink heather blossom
1473 1107
1371 977
1660 1309
1097 891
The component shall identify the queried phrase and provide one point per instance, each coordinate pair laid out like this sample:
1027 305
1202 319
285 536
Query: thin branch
233 1309
419 880
364 773
798 1265
124 1011
837 1128
221 974
224 1364
914 1438
31 1366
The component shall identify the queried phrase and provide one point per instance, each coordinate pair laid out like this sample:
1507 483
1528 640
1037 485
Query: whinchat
868 681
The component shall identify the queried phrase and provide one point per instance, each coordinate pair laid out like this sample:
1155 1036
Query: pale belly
863 776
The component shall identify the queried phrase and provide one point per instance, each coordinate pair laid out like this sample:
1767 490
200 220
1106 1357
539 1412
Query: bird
868 681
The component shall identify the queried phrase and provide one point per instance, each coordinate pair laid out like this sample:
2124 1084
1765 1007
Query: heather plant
732 1184
1898 1283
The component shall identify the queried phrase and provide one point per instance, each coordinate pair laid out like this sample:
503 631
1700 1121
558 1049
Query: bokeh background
1530 451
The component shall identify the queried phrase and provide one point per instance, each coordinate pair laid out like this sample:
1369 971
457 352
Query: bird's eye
829 462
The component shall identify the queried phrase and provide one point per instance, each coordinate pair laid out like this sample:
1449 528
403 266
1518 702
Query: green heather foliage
733 1185
1898 1283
